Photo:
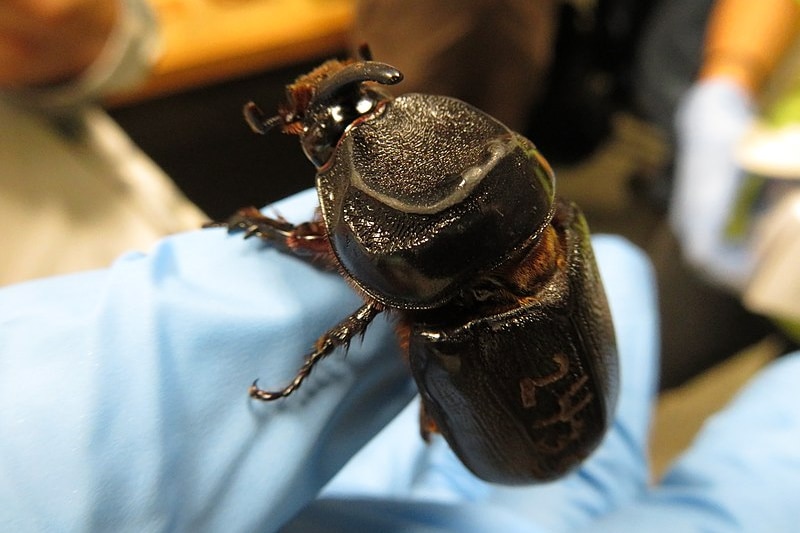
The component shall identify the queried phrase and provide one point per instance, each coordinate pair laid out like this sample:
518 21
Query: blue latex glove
741 473
123 393
712 118
398 483
123 407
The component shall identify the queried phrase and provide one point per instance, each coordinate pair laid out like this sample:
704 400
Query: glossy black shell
426 193
527 394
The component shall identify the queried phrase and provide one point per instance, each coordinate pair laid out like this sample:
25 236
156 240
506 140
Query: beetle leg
427 425
339 336
307 240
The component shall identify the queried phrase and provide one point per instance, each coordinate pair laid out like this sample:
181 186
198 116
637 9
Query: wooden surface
207 41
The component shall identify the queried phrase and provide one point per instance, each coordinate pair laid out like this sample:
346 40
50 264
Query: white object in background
774 288
770 151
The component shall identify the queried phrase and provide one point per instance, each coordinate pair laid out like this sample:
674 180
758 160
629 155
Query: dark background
202 142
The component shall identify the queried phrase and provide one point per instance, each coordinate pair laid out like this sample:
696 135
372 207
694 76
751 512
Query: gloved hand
123 393
739 475
712 118
123 407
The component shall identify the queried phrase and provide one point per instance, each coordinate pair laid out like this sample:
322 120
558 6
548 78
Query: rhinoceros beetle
439 213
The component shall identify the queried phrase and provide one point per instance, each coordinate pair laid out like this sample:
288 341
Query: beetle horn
257 120
357 73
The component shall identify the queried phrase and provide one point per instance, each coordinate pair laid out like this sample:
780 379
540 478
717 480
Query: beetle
437 212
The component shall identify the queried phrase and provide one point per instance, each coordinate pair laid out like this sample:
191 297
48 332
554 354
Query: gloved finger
124 392
396 465
742 471
712 119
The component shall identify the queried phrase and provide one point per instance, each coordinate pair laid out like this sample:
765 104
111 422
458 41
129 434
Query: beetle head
322 104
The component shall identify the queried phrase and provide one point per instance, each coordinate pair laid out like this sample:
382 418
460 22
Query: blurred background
218 54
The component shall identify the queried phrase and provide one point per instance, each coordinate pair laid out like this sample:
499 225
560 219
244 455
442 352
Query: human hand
712 118
51 41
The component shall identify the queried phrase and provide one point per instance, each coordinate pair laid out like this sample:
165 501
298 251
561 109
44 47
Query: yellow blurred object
745 40
207 41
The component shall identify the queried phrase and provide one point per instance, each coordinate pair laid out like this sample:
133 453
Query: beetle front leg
339 336
307 240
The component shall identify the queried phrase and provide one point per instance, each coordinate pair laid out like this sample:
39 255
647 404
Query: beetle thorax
415 161
428 192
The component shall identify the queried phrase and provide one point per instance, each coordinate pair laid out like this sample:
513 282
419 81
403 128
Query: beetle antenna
364 53
257 120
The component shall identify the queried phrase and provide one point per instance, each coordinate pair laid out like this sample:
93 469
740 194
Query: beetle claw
257 120
338 337
252 231
266 396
